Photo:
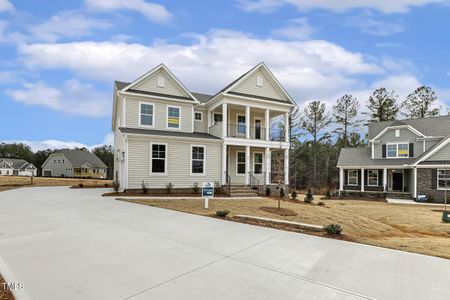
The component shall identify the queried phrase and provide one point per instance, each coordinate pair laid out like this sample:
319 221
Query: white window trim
259 81
399 143
237 124
263 133
201 116
237 163
348 178
161 81
262 162
437 178
204 161
214 114
378 177
143 125
397 132
167 117
165 159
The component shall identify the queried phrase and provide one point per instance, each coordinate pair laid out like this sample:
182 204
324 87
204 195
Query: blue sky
59 59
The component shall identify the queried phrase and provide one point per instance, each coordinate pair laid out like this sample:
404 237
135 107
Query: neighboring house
74 163
404 156
165 133
16 167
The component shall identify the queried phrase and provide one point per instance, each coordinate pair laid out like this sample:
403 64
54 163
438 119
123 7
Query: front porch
398 181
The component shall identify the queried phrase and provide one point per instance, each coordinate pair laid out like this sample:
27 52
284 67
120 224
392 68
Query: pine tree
382 105
344 111
421 103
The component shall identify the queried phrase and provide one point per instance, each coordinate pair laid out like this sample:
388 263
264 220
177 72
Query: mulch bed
357 198
5 294
113 194
279 211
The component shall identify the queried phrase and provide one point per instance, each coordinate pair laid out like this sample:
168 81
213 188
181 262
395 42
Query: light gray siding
232 164
268 88
429 144
201 126
178 162
405 136
58 165
159 113
170 86
442 154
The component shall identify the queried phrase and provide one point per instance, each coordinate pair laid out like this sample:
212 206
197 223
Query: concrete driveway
63 243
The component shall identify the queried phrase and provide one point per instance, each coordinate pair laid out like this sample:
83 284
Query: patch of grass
280 212
18 181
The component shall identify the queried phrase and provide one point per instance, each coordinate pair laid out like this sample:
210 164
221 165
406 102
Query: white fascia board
256 143
166 137
258 103
156 97
433 151
409 127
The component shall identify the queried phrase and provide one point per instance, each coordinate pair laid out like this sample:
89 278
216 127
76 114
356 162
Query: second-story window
241 124
173 117
217 118
397 150
146 117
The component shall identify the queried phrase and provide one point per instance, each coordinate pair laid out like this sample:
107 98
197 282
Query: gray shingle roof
203 98
198 135
361 157
79 157
432 126
17 164
120 85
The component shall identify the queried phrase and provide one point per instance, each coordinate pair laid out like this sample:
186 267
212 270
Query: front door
397 181
258 129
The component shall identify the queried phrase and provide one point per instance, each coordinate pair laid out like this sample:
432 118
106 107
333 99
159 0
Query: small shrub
195 188
80 185
222 213
343 193
309 196
430 197
334 229
282 193
169 187
116 186
106 185
294 195
144 187
268 191
321 203
217 187
328 194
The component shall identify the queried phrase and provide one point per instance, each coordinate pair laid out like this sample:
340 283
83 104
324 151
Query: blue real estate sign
208 190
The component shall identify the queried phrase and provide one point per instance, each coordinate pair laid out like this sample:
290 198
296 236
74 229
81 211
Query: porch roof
361 157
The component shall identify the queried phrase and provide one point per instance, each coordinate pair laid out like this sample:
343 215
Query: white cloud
367 23
298 29
211 61
70 24
74 98
5 5
385 6
154 12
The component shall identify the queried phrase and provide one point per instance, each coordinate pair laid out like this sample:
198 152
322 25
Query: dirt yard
10 182
413 228
5 294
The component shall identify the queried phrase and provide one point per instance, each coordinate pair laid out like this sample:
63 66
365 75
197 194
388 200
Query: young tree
106 154
382 105
16 150
421 103
314 122
344 112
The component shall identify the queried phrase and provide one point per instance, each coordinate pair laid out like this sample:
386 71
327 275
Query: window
198 116
161 81
158 155
217 118
398 150
352 177
0 172
173 117
7 172
443 178
240 124
372 177
240 161
397 132
198 160
259 81
146 112
257 162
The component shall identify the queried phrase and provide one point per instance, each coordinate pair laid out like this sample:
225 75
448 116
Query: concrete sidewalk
74 244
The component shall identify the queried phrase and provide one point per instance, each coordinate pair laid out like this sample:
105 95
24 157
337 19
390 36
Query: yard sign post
207 191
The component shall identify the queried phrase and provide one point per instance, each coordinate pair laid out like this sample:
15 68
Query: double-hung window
352 177
217 118
257 162
240 124
173 117
443 178
198 116
198 160
240 163
158 158
372 177
397 150
146 117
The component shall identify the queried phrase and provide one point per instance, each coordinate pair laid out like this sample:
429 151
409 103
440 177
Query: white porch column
224 119
267 124
341 179
208 116
247 122
268 166
415 183
247 165
286 127
286 166
385 179
224 164
362 179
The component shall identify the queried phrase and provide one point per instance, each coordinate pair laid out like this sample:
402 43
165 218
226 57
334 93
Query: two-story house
404 156
164 133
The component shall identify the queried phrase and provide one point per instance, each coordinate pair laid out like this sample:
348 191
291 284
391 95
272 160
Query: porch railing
253 182
227 186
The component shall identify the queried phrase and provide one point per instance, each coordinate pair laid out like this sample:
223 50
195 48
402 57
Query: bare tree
421 103
344 113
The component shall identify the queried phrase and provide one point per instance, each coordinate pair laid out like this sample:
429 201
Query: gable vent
161 81
259 81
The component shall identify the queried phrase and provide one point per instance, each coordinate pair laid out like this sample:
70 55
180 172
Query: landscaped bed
413 228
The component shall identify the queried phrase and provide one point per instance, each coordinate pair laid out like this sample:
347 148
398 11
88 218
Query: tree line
318 133
23 151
